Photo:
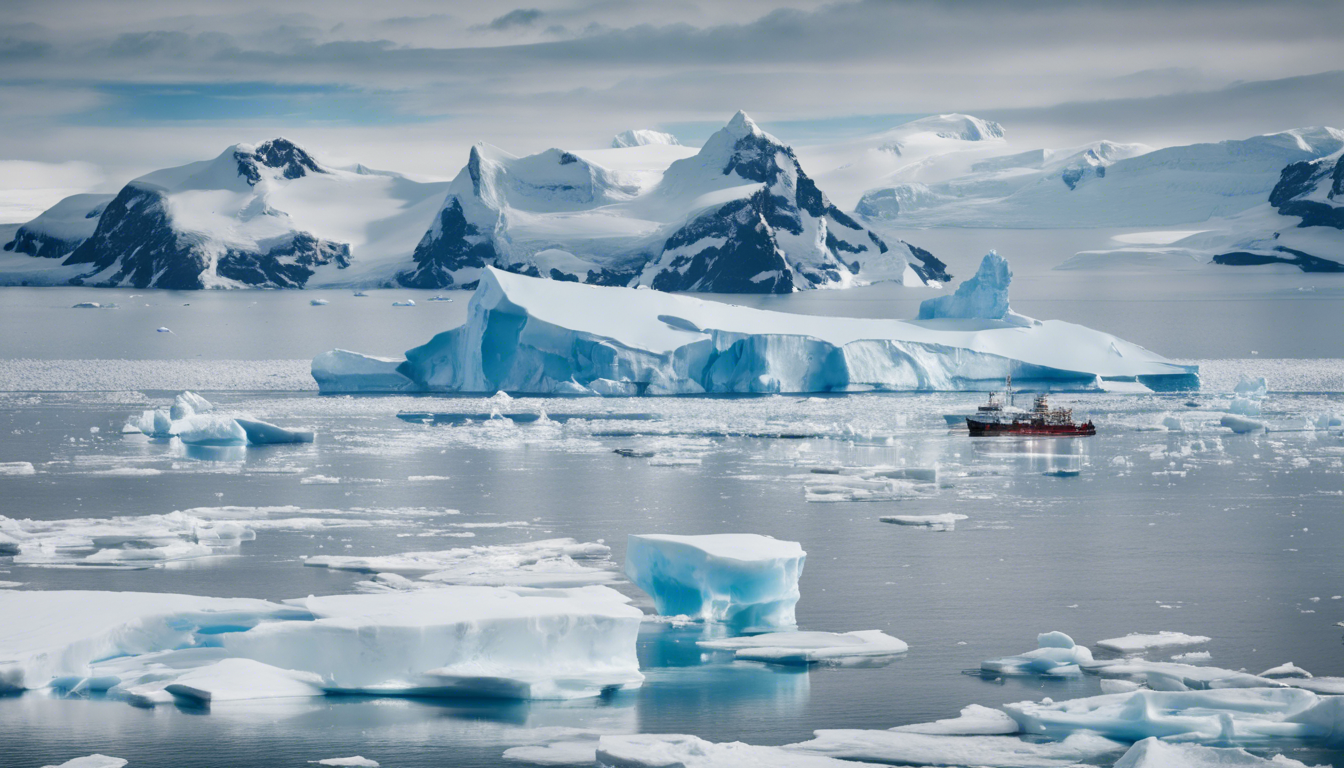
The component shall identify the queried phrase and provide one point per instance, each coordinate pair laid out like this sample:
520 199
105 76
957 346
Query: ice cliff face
554 337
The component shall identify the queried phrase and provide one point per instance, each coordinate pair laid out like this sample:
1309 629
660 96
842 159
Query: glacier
741 579
152 648
526 335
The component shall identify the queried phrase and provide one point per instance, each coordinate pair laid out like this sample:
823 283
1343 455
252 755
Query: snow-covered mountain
1099 185
1301 225
257 215
641 137
738 216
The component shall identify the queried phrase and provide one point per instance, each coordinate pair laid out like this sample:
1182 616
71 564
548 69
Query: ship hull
993 429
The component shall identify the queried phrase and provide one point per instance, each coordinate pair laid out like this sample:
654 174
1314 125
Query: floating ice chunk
140 556
158 423
983 296
265 433
456 640
1193 656
974 720
15 468
1255 387
1056 655
188 403
92 761
127 472
1229 715
1242 425
679 751
1155 753
905 748
62 633
737 578
1173 423
1244 406
944 522
357 761
406 303
164 330
244 680
319 480
319 302
543 563
1138 643
1173 676
1289 670
209 429
802 648
342 371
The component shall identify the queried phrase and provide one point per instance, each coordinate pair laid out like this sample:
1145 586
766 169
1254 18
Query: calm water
1202 532
1233 545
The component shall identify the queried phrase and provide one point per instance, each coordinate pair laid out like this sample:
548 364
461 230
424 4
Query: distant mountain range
738 215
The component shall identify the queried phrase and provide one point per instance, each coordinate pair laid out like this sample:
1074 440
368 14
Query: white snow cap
640 137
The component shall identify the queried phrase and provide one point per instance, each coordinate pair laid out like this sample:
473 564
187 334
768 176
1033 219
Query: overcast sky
94 92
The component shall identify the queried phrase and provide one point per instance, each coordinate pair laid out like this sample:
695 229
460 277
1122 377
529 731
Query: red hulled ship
995 419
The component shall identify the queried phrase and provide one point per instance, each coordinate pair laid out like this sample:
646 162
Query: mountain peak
742 124
278 153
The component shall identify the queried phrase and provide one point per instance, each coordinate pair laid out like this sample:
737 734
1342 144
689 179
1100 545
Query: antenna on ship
1009 388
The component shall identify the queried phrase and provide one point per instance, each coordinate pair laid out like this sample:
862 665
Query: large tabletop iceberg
553 337
148 648
741 579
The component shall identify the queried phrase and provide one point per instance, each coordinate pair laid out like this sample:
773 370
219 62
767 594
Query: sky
96 92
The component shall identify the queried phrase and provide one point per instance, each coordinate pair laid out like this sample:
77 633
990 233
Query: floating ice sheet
1139 642
1155 753
802 648
1056 655
679 751
905 748
941 522
92 761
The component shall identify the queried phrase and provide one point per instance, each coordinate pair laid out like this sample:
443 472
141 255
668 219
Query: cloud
521 17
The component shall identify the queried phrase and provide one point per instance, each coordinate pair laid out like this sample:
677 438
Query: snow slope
1103 184
268 215
737 216
638 137
551 337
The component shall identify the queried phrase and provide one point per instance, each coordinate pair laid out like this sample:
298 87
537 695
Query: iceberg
191 419
803 648
92 761
742 579
148 649
554 337
1056 655
982 297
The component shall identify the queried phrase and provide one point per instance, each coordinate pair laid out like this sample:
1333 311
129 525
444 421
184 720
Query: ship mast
1009 388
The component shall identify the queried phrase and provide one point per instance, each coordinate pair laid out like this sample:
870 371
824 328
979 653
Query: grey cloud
521 17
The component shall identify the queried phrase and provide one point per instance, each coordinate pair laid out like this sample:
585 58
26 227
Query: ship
996 419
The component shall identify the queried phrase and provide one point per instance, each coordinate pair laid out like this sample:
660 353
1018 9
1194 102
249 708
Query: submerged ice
553 337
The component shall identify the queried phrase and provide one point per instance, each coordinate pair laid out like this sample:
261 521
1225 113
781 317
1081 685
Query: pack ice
741 579
552 337
455 640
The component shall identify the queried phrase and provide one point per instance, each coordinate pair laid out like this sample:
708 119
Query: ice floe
544 563
1221 716
945 521
193 420
455 640
681 751
1138 642
906 748
1155 753
15 468
802 648
833 484
1056 655
358 761
92 761
974 720
742 579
